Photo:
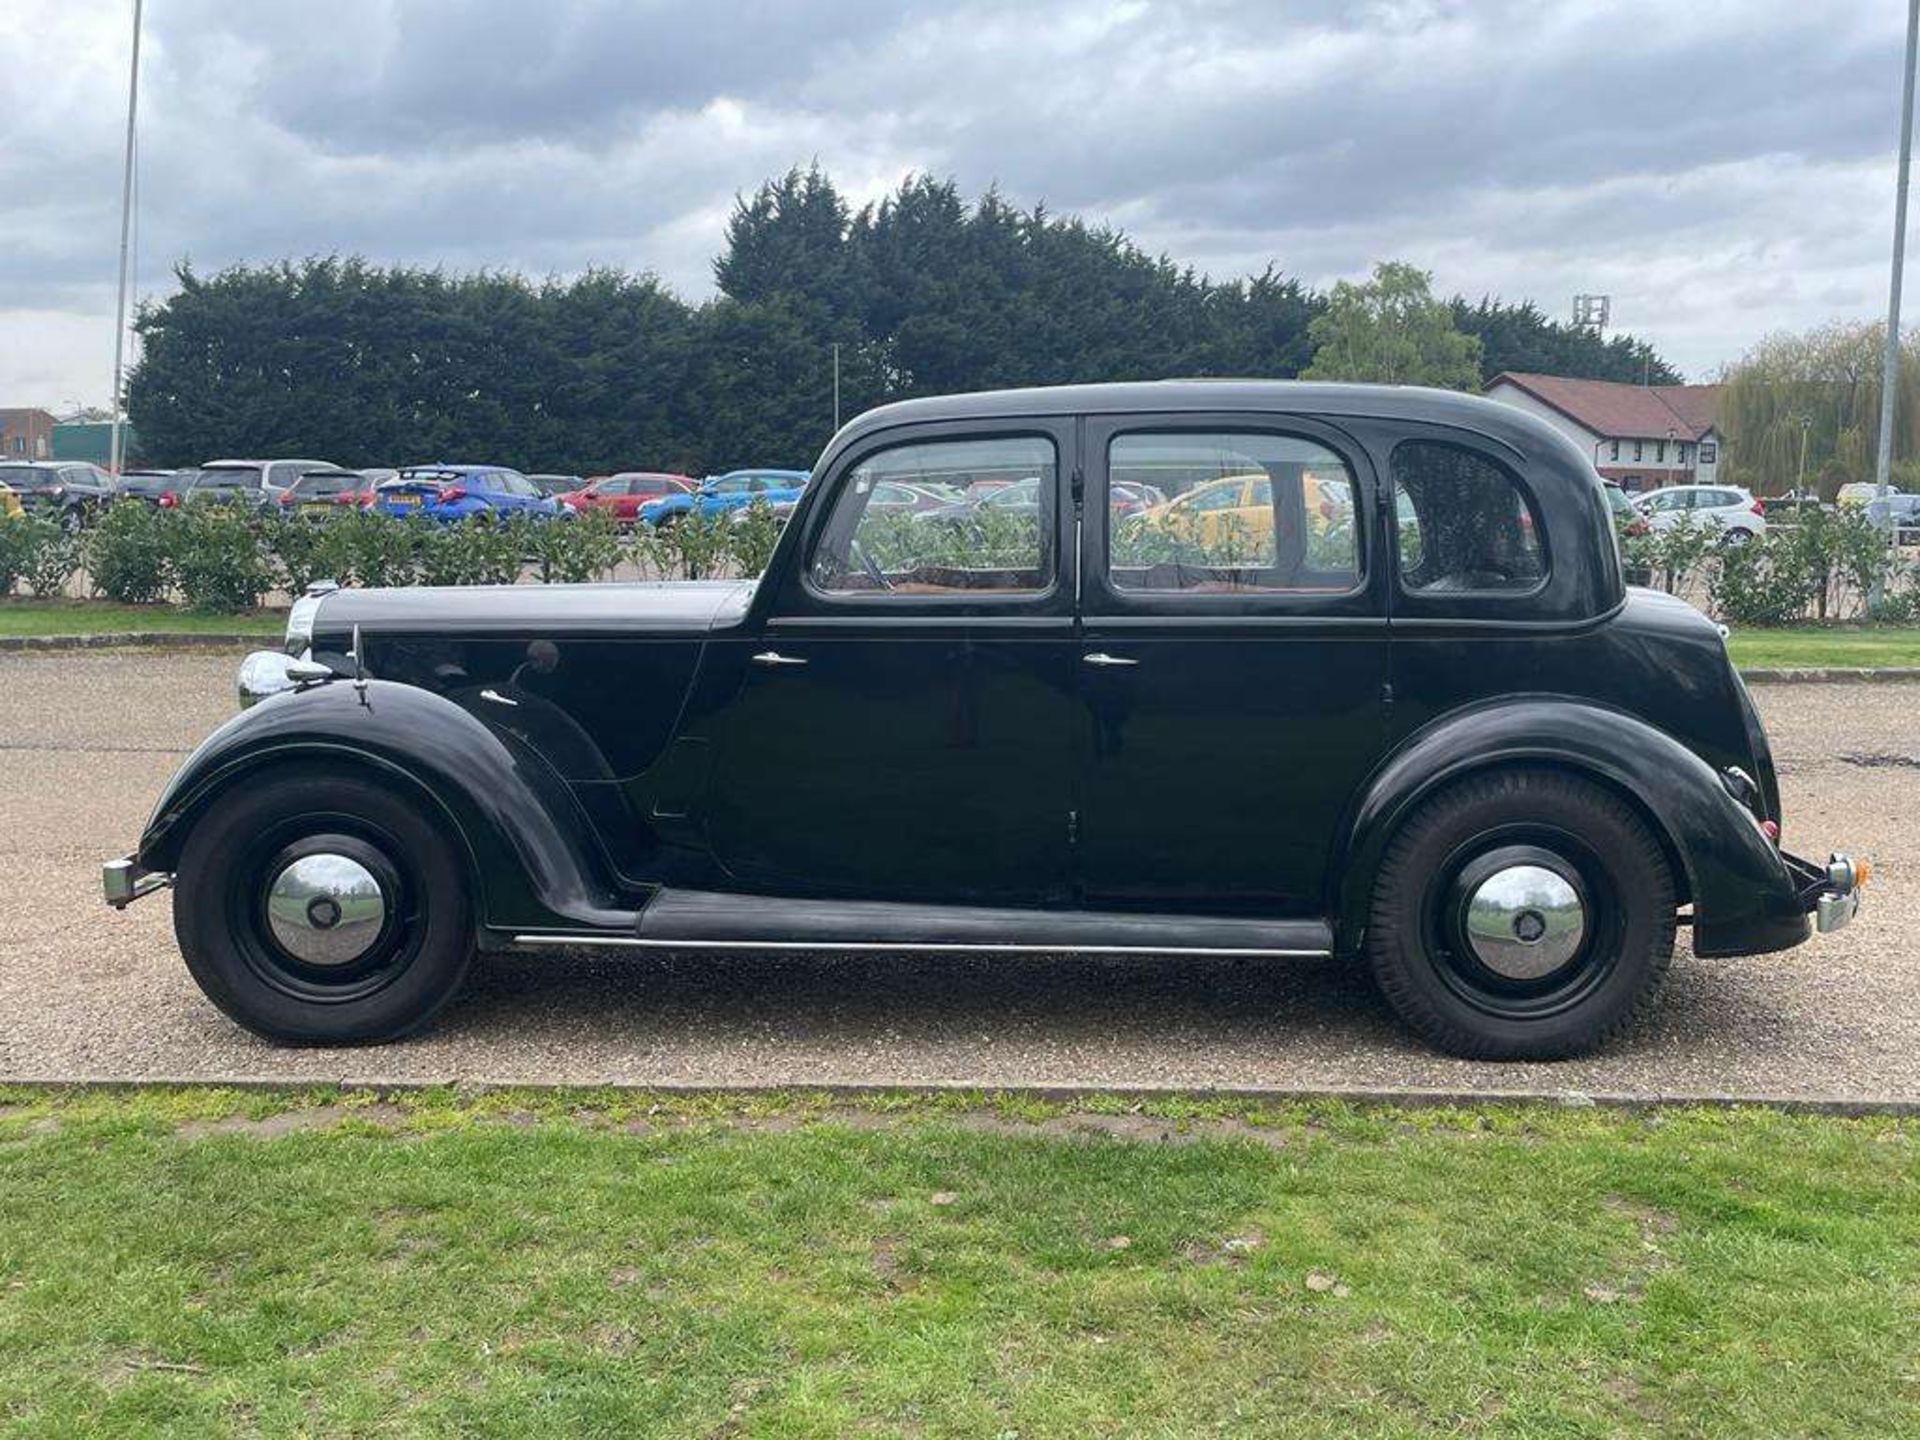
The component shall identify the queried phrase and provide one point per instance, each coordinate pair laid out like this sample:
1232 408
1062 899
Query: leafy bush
17 541
219 560
571 551
466 552
756 530
129 554
372 549
692 547
52 557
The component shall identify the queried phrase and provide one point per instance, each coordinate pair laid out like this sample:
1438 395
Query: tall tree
1392 330
1520 337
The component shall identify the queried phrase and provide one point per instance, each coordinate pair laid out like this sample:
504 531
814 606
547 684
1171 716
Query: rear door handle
774 657
1101 658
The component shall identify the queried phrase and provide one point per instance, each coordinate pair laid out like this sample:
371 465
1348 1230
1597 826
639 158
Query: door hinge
1073 827
1386 693
1079 492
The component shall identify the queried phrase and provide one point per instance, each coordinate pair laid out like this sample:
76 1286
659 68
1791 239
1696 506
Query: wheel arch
1719 861
527 847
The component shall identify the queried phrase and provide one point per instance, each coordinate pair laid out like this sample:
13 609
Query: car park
446 493
1443 741
1732 511
555 486
324 493
1859 492
735 490
160 489
1629 520
621 496
71 493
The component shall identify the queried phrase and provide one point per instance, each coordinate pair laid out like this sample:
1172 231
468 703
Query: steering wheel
874 572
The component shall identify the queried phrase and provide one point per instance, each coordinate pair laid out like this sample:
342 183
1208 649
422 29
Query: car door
896 721
1231 674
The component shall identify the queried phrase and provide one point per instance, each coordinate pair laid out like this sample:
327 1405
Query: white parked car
1731 509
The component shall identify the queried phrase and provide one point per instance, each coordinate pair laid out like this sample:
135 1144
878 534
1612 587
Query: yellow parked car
9 502
1237 511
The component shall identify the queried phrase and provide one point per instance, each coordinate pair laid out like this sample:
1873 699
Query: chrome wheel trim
1524 922
326 909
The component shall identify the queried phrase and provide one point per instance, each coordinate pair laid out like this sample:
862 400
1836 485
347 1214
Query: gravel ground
86 740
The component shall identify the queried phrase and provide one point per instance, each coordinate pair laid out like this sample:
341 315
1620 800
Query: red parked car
622 495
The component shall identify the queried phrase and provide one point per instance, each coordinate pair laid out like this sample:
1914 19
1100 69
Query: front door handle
1101 658
774 657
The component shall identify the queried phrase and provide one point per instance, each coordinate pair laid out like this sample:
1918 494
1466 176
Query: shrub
52 557
756 530
693 547
466 552
219 559
129 554
571 551
368 548
18 538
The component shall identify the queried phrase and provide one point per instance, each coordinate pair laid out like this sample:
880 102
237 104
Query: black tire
413 966
1429 967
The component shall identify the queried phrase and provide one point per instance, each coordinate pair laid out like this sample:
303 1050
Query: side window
961 549
1464 522
1230 513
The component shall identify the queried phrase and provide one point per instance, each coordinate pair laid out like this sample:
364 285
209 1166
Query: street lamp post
115 451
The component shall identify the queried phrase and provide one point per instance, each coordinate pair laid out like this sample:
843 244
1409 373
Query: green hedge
1823 566
220 558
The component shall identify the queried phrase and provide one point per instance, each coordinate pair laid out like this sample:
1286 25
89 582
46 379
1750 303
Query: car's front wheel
322 909
1522 915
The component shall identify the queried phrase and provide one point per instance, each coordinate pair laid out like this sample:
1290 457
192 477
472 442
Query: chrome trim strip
595 938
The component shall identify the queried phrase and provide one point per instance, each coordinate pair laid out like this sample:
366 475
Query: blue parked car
462 492
734 490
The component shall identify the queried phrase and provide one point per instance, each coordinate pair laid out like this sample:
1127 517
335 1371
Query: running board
711 920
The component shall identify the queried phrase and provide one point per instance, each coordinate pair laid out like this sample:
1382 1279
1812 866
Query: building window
1709 452
1639 450
1613 452
1660 452
1683 452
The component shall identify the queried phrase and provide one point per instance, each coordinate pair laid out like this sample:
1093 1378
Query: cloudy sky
1720 167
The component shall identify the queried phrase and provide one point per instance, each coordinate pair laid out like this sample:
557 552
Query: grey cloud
1711 161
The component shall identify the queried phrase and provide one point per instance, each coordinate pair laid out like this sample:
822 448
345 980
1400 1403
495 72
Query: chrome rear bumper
1838 900
123 882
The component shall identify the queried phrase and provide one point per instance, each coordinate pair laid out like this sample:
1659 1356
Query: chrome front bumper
123 882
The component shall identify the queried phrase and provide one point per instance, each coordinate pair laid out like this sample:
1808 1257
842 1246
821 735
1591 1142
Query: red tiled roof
1609 408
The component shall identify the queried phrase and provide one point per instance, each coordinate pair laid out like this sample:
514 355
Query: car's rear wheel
322 909
1522 915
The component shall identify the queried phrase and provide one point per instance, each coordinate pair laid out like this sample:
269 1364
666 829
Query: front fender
1742 893
531 865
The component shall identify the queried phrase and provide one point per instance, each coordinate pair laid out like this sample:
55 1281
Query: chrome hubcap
1524 922
326 909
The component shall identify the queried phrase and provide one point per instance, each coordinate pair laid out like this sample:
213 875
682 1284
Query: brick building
1643 436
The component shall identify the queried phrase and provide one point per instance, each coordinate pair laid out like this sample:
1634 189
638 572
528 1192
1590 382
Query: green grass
1823 649
103 617
569 1265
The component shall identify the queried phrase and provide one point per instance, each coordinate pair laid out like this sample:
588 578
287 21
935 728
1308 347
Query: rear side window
1230 512
1464 523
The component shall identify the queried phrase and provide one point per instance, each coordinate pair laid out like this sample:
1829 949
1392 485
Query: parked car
325 493
1859 492
734 490
159 488
1626 518
464 492
622 495
1452 747
10 507
1733 511
275 475
237 483
68 491
555 486
1898 513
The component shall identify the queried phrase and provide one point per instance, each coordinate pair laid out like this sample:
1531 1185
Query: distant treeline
923 293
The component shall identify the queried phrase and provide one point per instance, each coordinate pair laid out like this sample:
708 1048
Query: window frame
1363 601
796 600
1462 604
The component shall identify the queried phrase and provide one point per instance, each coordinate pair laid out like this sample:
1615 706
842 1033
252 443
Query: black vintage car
1366 684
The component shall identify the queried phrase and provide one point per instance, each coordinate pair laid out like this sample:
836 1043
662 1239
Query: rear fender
1742 893
531 862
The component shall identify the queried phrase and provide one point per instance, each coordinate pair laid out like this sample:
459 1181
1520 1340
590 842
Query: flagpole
116 453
